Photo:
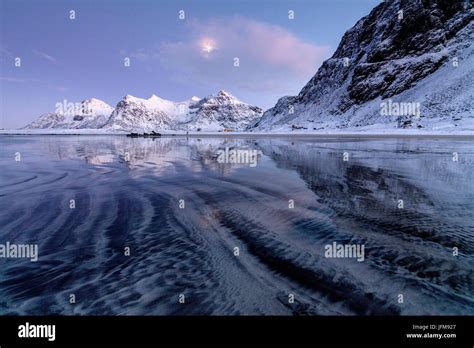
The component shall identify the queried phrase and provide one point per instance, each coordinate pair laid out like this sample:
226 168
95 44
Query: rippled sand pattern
127 194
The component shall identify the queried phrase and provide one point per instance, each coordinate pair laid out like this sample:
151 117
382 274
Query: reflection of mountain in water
364 192
127 193
156 154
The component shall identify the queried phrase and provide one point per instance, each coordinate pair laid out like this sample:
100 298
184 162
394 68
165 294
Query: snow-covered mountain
408 64
222 110
213 113
154 113
90 113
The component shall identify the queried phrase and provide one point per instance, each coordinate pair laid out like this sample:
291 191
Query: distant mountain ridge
90 113
213 113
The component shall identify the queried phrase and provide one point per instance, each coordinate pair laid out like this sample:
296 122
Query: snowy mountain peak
154 97
221 111
95 101
90 113
131 99
224 95
214 113
97 106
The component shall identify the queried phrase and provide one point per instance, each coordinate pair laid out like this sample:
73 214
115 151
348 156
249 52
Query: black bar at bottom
245 329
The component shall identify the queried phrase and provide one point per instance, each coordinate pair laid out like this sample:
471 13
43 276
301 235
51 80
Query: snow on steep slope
213 113
90 113
136 114
422 55
219 111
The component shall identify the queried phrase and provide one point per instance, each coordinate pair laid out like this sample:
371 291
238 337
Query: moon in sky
207 46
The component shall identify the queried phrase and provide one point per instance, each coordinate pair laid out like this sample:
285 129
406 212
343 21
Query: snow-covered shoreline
323 133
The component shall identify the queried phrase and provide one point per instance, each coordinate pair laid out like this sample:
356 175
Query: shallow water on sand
127 193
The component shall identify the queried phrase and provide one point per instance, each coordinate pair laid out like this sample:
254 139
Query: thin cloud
271 58
5 53
45 56
61 88
30 80
12 79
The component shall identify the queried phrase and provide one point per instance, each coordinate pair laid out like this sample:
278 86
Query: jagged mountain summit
213 113
217 112
138 114
220 110
90 113
409 63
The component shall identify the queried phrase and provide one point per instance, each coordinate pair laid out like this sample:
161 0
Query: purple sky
73 59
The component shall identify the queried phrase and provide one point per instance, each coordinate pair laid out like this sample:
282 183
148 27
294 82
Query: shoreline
317 135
